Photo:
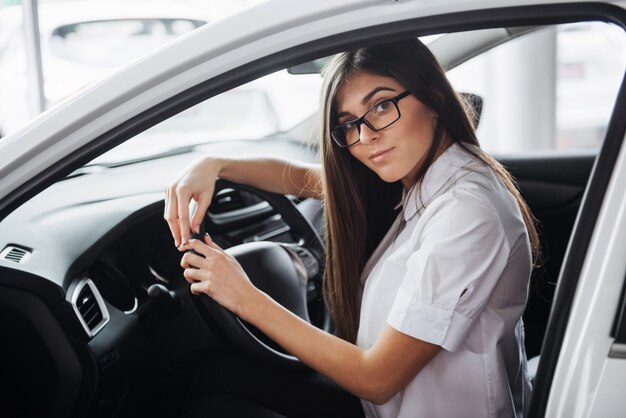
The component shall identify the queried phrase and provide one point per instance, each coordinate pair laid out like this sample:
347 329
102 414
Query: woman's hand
218 275
197 183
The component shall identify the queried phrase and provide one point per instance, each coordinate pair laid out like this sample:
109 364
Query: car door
582 361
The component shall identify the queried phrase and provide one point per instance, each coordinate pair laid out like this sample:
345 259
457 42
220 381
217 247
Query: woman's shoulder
469 180
476 201
463 200
459 177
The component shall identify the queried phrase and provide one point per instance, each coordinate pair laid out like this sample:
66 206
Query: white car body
587 381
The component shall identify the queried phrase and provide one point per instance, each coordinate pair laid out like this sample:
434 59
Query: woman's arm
274 175
375 374
198 183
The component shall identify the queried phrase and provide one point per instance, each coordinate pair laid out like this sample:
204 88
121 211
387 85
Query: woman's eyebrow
371 94
367 98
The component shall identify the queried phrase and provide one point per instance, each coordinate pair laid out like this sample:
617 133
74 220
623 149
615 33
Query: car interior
99 321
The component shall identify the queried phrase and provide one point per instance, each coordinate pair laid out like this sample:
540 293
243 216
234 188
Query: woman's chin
388 177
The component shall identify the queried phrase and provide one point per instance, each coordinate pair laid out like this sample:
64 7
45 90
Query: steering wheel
290 273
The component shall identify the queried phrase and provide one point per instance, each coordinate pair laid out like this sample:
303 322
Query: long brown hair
359 206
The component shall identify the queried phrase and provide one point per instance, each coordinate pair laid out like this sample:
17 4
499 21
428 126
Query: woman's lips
379 156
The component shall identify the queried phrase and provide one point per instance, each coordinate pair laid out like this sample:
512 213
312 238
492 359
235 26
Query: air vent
15 254
226 201
89 307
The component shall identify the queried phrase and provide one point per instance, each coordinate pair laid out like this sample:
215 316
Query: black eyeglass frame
360 121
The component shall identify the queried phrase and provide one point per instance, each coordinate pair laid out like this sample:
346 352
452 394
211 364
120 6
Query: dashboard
91 280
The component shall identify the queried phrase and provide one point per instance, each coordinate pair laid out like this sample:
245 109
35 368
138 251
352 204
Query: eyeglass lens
379 117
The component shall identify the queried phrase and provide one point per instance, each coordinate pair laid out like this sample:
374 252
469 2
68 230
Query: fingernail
176 243
197 229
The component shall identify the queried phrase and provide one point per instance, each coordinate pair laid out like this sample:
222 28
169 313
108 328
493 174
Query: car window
586 61
270 105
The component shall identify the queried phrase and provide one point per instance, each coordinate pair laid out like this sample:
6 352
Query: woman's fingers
209 241
193 275
203 202
201 248
191 260
199 281
198 183
201 287
170 213
183 196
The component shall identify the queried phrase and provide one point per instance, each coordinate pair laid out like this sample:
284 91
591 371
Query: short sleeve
457 257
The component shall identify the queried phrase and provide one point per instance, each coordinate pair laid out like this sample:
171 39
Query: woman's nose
367 134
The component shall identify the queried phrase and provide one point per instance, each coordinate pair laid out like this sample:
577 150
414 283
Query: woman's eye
382 106
348 126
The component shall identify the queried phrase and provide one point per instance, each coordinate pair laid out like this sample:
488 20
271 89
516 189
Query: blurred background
50 49
564 78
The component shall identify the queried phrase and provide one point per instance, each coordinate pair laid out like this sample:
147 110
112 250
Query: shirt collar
443 172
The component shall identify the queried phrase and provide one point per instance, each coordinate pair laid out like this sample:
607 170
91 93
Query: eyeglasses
377 118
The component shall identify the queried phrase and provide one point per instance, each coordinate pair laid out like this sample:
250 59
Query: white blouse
454 271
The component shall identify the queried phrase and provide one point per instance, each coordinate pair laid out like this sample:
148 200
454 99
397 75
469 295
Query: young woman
427 301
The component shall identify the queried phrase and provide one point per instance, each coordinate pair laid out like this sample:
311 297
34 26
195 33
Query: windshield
264 107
